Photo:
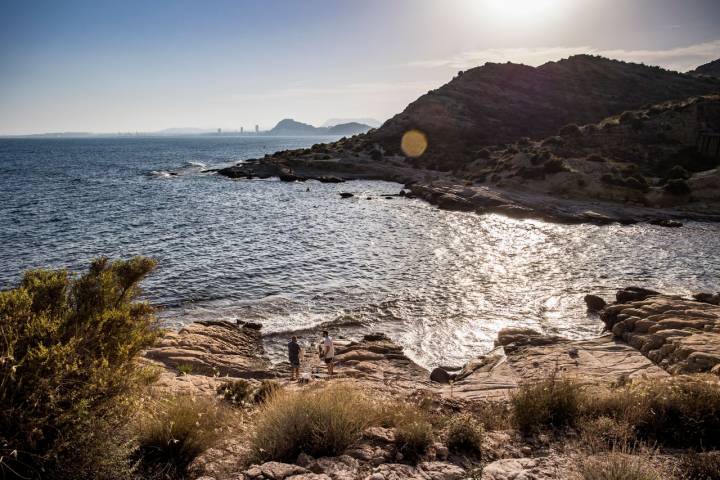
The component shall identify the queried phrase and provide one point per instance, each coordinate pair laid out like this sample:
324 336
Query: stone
711 298
441 471
440 375
280 471
631 294
594 303
346 195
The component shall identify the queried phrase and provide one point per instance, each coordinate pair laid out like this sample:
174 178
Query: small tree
67 368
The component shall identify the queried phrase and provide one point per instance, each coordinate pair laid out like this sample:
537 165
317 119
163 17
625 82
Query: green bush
677 187
68 369
185 369
550 403
678 172
175 430
617 466
570 130
555 165
319 422
465 434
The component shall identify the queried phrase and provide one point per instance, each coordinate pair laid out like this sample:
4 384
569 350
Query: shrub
606 433
236 392
67 368
678 172
570 130
682 411
177 429
319 422
413 436
596 158
483 154
266 389
550 403
185 369
617 466
376 154
465 434
555 165
677 187
700 466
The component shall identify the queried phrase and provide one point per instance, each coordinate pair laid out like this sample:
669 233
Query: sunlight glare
509 10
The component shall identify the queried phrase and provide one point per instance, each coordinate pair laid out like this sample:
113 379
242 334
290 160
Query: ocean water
296 257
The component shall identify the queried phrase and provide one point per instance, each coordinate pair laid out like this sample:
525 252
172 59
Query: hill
339 121
711 69
500 103
292 127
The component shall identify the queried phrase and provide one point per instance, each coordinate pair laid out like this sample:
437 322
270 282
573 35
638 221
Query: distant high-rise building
242 129
219 131
257 129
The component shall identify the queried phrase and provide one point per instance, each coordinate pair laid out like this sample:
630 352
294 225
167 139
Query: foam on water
440 283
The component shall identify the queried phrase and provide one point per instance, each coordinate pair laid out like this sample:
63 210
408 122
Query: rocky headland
528 142
650 337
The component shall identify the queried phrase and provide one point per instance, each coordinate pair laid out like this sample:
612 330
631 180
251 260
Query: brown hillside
711 69
499 103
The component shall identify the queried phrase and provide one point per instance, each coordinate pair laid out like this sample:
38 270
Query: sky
127 66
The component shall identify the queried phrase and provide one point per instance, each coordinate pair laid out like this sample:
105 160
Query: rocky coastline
648 335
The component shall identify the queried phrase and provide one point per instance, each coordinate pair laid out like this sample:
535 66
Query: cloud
353 89
679 58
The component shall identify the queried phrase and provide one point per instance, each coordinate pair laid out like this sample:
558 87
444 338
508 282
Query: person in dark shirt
294 356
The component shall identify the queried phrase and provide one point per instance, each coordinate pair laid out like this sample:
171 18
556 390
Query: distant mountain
711 69
339 121
291 127
500 103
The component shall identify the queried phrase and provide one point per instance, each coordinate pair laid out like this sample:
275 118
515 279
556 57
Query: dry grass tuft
551 403
465 434
177 429
319 422
617 466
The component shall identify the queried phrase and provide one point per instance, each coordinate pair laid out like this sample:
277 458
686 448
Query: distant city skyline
91 66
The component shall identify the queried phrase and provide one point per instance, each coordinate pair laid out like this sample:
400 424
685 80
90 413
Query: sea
298 258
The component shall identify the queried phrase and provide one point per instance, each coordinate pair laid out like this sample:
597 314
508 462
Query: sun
516 9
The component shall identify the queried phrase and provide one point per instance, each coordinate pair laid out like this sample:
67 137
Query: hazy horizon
108 67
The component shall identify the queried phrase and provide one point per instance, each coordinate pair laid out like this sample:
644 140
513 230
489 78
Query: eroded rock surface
214 348
680 335
528 356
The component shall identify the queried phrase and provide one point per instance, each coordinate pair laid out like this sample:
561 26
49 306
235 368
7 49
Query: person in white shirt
328 351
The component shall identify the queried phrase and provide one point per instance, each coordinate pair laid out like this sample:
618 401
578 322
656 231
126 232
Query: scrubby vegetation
67 369
682 411
700 466
175 430
465 434
236 392
318 422
414 435
552 403
617 466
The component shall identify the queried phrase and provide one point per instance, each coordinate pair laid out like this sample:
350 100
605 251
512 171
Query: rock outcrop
527 356
680 335
214 348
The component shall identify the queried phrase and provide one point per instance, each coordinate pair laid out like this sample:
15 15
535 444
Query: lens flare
414 143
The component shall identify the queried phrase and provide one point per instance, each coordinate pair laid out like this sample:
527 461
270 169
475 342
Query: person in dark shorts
294 357
328 349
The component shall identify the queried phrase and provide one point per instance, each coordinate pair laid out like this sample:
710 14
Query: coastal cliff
642 146
652 339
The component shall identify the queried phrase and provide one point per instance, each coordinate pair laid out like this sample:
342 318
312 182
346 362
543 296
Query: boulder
679 335
594 303
712 298
631 294
440 375
346 195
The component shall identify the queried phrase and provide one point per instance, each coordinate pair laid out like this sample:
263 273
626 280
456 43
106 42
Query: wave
194 164
343 321
162 174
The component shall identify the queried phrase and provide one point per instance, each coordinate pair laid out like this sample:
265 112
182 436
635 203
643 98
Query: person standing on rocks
294 357
328 351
